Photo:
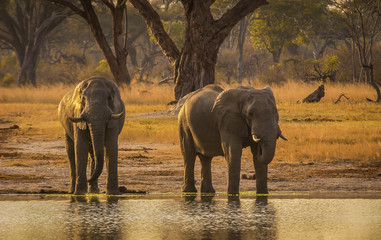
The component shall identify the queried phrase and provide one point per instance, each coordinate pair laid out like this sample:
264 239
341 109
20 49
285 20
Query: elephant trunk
97 138
266 151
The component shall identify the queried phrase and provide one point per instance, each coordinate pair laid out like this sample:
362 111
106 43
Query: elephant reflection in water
89 218
235 220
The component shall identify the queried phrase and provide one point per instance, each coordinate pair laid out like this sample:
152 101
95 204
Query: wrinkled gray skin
92 116
214 122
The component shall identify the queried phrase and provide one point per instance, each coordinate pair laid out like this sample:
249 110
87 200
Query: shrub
8 80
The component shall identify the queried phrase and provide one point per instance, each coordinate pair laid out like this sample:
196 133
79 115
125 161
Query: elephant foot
94 189
233 192
113 192
207 189
80 192
189 188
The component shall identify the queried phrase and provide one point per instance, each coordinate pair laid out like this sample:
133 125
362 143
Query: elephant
213 122
93 116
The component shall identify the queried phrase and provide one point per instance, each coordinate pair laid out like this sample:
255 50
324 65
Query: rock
244 176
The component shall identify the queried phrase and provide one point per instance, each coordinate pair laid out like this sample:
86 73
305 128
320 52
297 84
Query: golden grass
348 131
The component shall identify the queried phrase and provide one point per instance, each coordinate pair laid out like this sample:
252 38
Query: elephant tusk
255 138
283 137
116 116
77 120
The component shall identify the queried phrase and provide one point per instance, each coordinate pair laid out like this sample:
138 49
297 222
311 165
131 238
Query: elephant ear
270 93
116 105
227 109
79 103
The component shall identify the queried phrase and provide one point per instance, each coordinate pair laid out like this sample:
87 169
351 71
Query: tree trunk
195 65
195 70
198 57
28 66
276 57
241 42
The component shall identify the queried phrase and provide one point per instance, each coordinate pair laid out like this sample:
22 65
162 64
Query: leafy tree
24 27
319 24
272 30
194 65
363 18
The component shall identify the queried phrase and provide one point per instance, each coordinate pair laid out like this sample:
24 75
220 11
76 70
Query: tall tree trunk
28 66
198 57
240 44
276 56
354 70
373 83
117 59
195 65
196 68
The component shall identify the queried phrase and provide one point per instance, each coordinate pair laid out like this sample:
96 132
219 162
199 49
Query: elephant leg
189 154
233 151
111 144
71 155
206 174
81 154
260 172
93 187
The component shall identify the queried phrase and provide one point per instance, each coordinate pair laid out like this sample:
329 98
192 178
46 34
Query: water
176 217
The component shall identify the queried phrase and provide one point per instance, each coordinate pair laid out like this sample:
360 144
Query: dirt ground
34 164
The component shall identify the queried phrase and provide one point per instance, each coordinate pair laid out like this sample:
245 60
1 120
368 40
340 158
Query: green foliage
176 31
322 70
8 61
330 63
273 75
8 80
8 69
271 29
103 69
280 23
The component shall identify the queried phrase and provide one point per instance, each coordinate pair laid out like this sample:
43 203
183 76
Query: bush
8 80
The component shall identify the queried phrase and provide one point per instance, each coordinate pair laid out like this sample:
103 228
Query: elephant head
96 103
250 113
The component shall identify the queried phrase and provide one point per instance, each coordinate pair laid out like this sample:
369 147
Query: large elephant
92 116
214 122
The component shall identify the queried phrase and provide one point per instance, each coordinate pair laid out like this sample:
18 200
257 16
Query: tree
116 59
194 65
240 44
24 27
272 30
364 21
319 24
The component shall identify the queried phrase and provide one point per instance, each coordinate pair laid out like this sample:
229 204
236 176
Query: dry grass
348 131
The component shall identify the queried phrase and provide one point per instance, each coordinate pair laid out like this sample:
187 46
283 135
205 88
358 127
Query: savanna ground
331 147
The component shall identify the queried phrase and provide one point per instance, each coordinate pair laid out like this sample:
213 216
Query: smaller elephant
93 117
214 122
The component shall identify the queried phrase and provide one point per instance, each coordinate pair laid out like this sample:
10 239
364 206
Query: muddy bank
32 164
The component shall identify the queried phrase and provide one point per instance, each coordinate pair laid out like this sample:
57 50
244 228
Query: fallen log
339 99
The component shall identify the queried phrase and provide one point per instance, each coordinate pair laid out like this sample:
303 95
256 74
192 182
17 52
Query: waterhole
195 217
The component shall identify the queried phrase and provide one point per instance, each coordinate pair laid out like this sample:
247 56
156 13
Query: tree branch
235 14
71 6
109 4
154 23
